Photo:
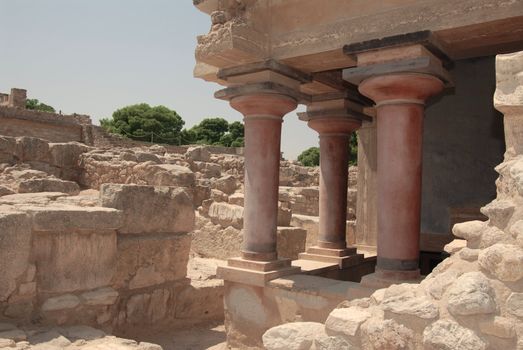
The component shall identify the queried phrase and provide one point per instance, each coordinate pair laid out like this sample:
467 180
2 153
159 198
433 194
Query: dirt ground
209 337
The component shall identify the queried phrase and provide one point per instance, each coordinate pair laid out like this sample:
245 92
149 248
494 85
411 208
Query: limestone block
509 84
492 235
163 174
499 212
33 149
515 304
469 254
150 308
290 242
284 216
200 193
218 196
225 214
58 253
436 285
386 334
401 302
4 191
455 246
66 155
48 185
63 302
292 336
213 241
470 231
505 261
102 296
517 232
198 153
236 199
9 151
208 170
227 184
471 294
15 247
148 209
500 327
449 335
309 223
346 321
201 300
149 260
147 157
331 343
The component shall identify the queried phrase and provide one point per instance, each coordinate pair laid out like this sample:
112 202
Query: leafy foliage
311 156
36 105
145 123
215 131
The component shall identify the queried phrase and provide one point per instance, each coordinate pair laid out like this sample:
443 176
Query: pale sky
95 56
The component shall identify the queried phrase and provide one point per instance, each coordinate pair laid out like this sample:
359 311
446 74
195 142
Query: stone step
311 267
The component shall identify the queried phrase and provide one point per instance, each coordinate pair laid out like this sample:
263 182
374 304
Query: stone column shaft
400 100
263 119
334 164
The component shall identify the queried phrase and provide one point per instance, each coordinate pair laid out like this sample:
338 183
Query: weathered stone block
471 294
201 300
148 209
48 185
291 242
505 261
76 260
292 336
226 214
15 248
447 334
149 260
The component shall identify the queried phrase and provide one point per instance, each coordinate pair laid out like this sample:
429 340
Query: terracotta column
263 119
334 134
400 100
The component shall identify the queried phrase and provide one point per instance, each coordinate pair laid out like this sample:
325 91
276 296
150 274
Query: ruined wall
463 142
48 126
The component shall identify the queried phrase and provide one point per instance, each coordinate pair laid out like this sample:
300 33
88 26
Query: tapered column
263 120
334 137
400 100
335 121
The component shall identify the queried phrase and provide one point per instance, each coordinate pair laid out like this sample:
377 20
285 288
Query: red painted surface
334 162
263 118
400 108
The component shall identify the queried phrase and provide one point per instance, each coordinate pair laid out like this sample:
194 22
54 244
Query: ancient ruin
109 243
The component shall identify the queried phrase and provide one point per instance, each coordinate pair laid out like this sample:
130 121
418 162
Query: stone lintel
424 37
267 87
253 277
423 65
342 261
267 65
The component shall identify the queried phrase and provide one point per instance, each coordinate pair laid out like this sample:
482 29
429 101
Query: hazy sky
94 56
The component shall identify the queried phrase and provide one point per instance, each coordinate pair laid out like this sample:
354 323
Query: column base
386 278
344 258
256 273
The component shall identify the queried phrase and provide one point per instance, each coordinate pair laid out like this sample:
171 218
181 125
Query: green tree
36 105
215 131
311 156
145 123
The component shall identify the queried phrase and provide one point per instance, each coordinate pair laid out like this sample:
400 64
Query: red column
400 100
334 136
263 119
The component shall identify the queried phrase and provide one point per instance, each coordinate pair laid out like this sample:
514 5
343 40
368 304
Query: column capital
264 105
401 88
334 117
